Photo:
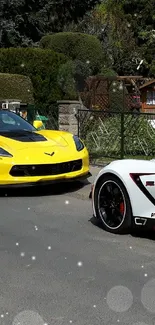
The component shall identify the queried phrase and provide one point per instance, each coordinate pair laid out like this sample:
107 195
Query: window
7 119
150 100
10 122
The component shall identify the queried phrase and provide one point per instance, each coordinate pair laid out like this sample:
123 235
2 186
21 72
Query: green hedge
14 86
41 66
76 46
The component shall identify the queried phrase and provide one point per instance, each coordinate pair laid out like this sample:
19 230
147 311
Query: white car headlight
4 153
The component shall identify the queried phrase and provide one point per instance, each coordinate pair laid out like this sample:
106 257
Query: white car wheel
112 204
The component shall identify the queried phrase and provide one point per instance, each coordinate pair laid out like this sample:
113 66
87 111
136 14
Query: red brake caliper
121 207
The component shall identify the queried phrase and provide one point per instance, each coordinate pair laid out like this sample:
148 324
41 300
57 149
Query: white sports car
123 195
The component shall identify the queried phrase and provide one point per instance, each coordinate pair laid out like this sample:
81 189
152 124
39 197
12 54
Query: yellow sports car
31 157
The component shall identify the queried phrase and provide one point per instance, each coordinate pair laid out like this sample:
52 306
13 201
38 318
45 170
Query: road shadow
146 234
95 222
44 190
135 233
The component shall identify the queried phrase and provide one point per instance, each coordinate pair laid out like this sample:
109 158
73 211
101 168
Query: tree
131 35
71 78
16 86
24 22
126 29
141 16
85 57
93 22
118 38
41 66
108 22
77 46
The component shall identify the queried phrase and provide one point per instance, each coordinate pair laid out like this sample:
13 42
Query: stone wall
68 110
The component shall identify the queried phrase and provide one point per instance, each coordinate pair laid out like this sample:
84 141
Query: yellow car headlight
79 144
4 153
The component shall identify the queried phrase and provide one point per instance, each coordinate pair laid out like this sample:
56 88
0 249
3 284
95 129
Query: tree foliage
71 78
41 66
130 30
141 15
85 57
126 29
15 86
118 40
77 46
108 23
24 22
120 35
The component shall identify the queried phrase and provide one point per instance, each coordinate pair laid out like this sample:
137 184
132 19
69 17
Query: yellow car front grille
46 169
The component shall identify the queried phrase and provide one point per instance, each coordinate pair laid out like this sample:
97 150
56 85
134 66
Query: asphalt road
57 267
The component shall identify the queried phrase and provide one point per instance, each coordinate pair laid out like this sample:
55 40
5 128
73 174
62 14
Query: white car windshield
10 122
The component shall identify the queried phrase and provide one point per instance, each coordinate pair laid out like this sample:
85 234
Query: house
147 91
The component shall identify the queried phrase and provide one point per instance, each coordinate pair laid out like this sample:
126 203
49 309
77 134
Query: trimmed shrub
66 80
14 86
77 46
41 66
71 78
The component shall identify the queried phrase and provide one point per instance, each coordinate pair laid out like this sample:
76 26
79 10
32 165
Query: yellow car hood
7 142
58 147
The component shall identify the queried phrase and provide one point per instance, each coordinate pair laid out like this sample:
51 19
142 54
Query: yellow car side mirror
38 124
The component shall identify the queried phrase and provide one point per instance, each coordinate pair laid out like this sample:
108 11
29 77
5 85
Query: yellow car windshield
10 121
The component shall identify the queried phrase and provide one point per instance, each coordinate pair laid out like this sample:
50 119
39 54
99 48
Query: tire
113 207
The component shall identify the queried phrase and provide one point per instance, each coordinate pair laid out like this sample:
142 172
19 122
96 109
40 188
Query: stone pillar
67 115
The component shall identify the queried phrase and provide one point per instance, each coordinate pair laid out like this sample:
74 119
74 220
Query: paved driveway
57 267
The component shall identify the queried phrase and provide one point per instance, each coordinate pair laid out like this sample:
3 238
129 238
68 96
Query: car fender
124 169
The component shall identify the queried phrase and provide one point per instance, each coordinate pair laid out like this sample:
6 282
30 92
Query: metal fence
52 123
117 135
51 115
